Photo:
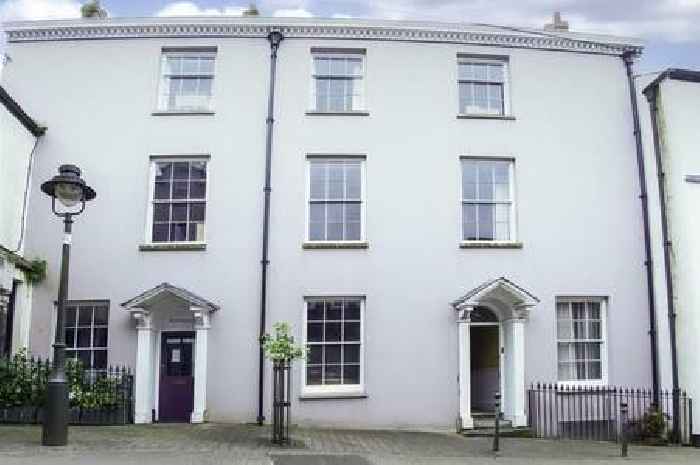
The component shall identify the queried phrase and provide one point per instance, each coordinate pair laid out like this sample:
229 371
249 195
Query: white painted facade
678 123
16 145
576 222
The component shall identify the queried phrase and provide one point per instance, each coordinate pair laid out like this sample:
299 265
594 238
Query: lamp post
70 190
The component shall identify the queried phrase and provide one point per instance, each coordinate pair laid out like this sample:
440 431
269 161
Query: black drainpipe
652 96
628 58
275 37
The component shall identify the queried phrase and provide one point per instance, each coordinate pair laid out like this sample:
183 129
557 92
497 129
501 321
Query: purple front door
176 393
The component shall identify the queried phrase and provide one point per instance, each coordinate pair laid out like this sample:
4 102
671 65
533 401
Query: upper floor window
333 334
187 78
338 81
86 333
178 205
482 86
487 200
581 339
335 207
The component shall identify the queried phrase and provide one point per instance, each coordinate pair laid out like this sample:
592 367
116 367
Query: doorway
176 386
485 351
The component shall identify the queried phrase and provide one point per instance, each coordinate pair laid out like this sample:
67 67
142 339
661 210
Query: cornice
293 28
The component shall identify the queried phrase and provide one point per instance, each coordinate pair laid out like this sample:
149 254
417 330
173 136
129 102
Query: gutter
628 59
652 94
17 111
275 37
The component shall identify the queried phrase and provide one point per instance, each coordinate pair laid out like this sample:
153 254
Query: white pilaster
143 390
465 406
515 371
201 327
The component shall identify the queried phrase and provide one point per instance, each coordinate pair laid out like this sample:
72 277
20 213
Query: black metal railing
97 397
281 412
593 413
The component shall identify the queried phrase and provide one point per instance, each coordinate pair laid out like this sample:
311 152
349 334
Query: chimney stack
557 24
251 11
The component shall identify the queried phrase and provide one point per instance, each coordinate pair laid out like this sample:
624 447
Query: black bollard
623 428
496 421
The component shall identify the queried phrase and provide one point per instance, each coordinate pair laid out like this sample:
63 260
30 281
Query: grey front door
176 392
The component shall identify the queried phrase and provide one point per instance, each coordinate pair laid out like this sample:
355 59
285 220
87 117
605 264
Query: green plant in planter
20 381
653 425
281 345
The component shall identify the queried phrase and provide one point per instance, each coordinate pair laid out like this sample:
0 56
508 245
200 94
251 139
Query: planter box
19 415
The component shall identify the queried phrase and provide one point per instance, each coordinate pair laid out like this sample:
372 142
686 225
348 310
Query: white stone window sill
172 246
333 394
582 384
490 245
183 113
485 116
311 245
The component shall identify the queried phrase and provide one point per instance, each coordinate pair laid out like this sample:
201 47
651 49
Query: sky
671 28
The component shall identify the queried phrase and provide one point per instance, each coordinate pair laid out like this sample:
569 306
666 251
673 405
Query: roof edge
676 74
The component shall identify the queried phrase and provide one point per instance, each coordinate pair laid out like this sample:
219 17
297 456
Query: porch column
515 371
201 318
143 390
465 405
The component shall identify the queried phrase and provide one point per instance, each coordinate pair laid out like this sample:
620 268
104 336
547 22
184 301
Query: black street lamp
70 190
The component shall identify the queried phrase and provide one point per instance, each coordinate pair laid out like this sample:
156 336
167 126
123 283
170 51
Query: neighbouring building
671 124
453 211
19 136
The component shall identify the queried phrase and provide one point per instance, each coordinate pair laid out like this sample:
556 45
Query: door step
506 432
484 421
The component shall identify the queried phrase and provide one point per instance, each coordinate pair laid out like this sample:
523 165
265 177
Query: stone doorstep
318 459
507 432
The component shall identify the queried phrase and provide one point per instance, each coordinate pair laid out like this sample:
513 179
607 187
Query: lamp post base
55 427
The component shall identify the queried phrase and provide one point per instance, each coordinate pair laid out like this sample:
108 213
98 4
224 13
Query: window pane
160 232
70 316
351 353
332 353
163 171
468 179
196 232
198 170
206 65
70 337
181 170
485 180
100 316
314 375
83 337
469 222
317 222
321 65
100 359
495 72
336 181
353 181
161 212
352 310
564 351
179 189
485 220
198 189
315 310
332 332
84 316
315 332
179 211
99 337
85 357
594 310
173 65
161 191
317 173
178 231
334 310
332 373
352 331
334 228
479 71
353 222
351 374
595 370
197 211
315 354
190 65
502 180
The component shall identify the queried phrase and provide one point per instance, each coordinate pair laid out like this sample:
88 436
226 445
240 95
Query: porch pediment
501 294
152 297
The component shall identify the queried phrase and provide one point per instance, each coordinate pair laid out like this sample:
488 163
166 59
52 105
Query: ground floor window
86 332
581 339
334 334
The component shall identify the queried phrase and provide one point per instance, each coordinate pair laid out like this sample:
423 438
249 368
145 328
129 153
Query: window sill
337 113
165 247
490 245
476 116
333 394
183 113
313 245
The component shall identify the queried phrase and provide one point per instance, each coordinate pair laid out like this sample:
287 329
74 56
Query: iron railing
593 413
97 397
281 411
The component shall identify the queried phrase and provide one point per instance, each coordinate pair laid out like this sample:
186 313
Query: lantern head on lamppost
70 190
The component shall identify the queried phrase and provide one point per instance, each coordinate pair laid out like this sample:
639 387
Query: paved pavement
248 444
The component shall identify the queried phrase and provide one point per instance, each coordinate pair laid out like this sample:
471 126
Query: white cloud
192 9
340 16
293 13
15 10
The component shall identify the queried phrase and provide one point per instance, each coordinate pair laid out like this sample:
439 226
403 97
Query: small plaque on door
175 356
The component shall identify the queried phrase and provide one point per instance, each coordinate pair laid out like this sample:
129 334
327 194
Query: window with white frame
581 339
187 78
86 326
338 81
333 335
487 200
482 86
335 207
178 205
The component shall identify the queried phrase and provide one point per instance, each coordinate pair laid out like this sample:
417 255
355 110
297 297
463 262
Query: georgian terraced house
453 210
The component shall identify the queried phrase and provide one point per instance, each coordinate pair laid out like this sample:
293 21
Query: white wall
575 179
